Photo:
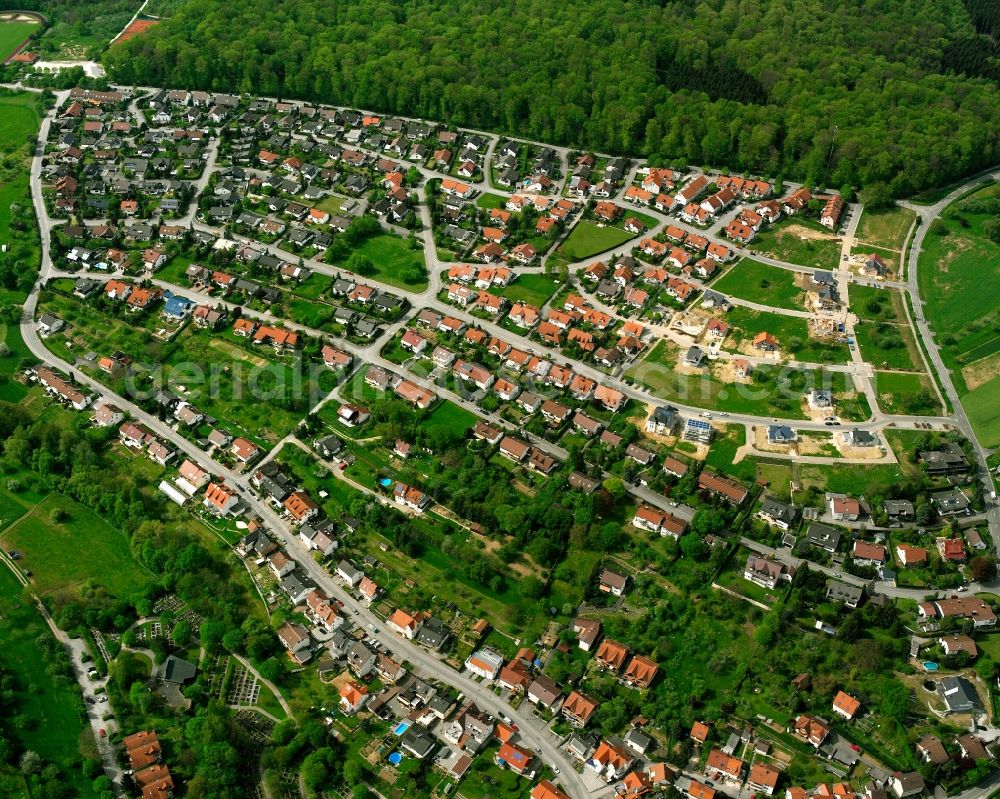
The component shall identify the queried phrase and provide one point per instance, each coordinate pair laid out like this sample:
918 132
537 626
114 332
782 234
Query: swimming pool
395 758
385 481
400 728
929 665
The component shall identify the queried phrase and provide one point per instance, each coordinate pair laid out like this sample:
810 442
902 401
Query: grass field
761 283
12 34
450 416
885 227
848 478
18 123
531 288
887 345
722 454
792 333
960 284
983 407
960 270
52 706
331 204
799 241
10 390
899 392
876 304
775 391
393 259
488 201
589 239
80 546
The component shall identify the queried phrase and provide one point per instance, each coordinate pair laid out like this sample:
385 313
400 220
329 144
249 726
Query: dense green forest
901 92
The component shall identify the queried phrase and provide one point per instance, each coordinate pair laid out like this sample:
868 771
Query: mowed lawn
761 283
588 239
81 546
12 34
488 201
56 728
393 258
960 270
533 289
885 227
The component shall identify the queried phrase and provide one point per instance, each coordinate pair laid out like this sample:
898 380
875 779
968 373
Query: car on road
102 698
832 424
855 747
371 626
104 733
706 414
555 769
340 603
89 700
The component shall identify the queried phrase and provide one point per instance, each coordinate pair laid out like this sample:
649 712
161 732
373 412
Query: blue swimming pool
396 758
929 665
400 728
385 481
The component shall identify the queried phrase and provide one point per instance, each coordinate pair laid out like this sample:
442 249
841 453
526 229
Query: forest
902 95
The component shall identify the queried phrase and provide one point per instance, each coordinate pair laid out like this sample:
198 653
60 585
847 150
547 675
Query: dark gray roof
179 671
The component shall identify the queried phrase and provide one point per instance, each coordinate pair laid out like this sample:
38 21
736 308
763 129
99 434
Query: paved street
426 663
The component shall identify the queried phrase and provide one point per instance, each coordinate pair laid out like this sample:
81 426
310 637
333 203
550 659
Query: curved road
535 734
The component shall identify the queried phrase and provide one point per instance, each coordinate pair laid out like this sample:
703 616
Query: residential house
846 705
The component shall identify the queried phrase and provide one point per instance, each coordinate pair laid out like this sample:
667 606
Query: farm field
589 239
761 283
55 726
59 526
885 227
799 241
394 262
